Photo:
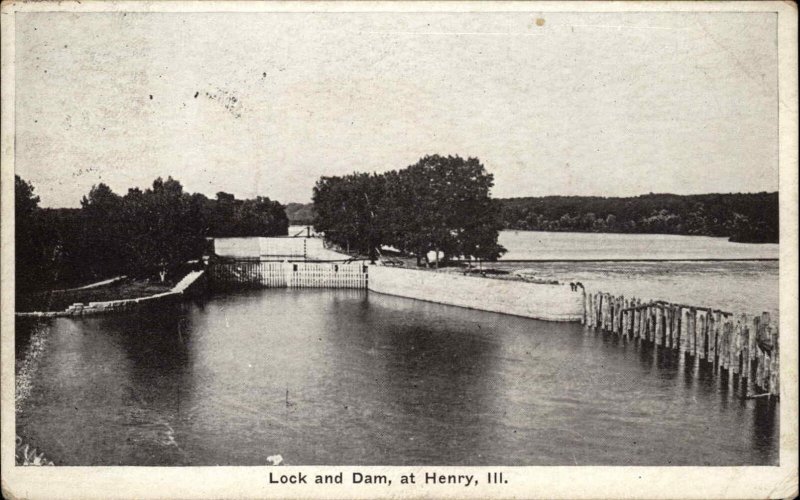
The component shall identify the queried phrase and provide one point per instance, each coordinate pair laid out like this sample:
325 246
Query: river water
347 377
725 278
541 245
734 286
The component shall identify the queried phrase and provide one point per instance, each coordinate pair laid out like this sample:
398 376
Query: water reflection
342 377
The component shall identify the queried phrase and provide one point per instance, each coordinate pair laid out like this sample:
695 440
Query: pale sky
583 104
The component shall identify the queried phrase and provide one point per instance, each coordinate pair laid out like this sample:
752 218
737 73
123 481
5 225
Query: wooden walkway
741 347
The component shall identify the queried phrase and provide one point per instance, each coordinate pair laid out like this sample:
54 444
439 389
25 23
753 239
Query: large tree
440 204
347 210
102 231
28 241
456 216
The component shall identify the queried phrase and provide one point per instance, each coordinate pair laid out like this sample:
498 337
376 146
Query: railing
289 274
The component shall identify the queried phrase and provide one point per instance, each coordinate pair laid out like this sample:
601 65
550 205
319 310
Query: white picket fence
290 274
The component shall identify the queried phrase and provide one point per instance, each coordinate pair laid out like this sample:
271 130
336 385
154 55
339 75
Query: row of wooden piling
740 346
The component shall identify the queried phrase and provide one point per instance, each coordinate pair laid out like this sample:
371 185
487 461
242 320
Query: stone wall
546 302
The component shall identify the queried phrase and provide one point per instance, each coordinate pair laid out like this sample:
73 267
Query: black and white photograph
400 249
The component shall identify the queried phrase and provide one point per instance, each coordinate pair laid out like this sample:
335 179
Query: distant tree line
440 204
141 233
742 217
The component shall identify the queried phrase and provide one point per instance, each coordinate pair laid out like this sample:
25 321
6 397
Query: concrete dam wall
538 301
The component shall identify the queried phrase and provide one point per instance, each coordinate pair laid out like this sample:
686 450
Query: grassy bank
59 300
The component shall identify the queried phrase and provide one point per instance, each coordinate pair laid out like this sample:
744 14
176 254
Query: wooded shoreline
740 217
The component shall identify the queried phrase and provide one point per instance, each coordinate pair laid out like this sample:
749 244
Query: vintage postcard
399 250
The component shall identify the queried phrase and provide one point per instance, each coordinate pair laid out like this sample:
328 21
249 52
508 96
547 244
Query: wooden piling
752 334
604 312
597 317
603 307
721 344
631 320
701 335
759 375
641 311
711 327
599 308
744 346
763 336
642 322
598 312
720 347
638 329
654 323
587 307
654 319
585 315
774 381
736 346
659 324
726 344
692 331
731 351
614 314
647 322
668 326
626 316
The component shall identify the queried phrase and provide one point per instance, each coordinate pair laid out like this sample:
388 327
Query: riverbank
117 289
193 282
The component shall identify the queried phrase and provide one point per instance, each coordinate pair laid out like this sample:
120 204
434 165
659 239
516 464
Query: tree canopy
440 204
137 234
743 217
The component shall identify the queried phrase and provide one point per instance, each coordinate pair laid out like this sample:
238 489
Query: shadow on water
439 395
765 428
110 379
709 404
